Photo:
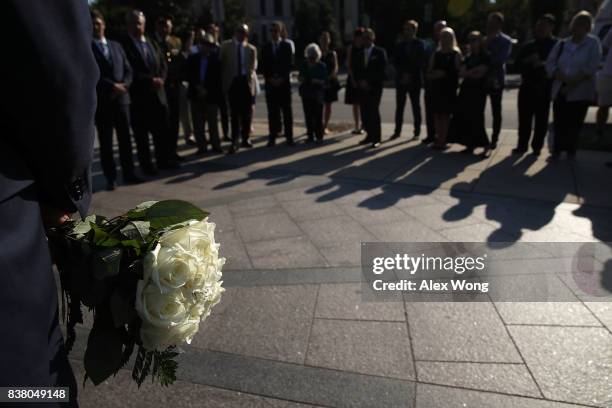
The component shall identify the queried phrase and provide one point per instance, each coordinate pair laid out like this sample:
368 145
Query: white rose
159 309
155 338
197 237
170 268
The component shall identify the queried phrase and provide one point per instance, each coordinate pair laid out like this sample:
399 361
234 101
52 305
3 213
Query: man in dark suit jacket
113 104
410 60
149 110
46 145
170 48
276 64
369 70
205 94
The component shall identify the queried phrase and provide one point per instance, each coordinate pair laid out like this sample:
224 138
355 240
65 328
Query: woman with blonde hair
443 74
468 122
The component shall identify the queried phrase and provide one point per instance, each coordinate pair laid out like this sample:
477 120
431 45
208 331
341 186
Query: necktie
146 54
239 59
105 50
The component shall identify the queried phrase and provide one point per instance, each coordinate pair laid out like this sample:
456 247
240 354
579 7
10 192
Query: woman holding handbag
573 64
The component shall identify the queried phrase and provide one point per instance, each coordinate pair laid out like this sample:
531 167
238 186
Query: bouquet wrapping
150 276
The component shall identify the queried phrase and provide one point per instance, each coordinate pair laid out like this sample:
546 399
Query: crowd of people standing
149 85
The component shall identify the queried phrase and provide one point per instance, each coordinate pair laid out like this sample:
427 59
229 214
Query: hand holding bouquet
150 277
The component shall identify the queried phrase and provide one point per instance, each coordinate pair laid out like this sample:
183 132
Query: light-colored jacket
582 60
229 64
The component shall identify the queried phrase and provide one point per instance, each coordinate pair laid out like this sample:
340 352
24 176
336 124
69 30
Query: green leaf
108 243
166 213
122 308
104 352
139 212
106 262
81 228
99 234
130 243
137 230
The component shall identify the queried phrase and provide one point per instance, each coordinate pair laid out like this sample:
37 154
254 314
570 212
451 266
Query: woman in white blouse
572 64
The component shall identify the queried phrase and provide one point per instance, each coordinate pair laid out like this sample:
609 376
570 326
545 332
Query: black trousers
369 103
533 106
313 116
495 96
568 119
429 115
173 95
32 352
111 116
224 117
278 100
203 113
241 109
401 91
151 116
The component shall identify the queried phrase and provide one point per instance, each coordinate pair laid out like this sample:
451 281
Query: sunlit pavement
292 327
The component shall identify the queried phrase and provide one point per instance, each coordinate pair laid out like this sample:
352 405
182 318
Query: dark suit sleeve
52 96
127 67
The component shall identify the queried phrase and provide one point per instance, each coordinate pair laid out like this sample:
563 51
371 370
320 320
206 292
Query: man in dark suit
149 109
369 69
113 104
205 94
276 64
170 48
46 145
409 59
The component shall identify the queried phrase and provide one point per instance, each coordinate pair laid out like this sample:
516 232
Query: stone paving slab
512 379
570 364
366 347
266 322
467 332
432 396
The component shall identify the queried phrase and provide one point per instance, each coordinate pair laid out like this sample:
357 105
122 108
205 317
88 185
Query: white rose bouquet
150 276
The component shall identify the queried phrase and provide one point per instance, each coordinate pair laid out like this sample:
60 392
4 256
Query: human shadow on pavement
514 215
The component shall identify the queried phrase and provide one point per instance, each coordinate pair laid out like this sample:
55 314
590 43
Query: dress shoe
493 146
358 131
150 171
428 140
233 150
535 153
394 136
217 149
468 150
169 165
247 144
375 145
290 142
518 151
365 141
309 140
133 179
271 143
319 141
201 151
111 185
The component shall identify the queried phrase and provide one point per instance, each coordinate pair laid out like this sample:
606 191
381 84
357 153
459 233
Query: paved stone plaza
292 330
